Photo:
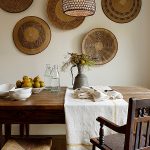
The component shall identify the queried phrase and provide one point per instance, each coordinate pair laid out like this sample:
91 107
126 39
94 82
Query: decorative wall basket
31 35
121 11
59 19
15 6
101 45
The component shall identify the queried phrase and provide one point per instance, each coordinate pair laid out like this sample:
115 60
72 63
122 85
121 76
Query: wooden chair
130 136
24 141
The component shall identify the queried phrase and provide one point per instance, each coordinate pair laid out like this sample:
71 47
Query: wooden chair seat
115 141
28 144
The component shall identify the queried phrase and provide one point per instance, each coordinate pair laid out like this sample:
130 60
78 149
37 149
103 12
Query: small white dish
23 90
5 88
20 93
37 90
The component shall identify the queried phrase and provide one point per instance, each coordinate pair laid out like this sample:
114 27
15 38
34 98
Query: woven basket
31 35
101 45
121 11
60 19
15 6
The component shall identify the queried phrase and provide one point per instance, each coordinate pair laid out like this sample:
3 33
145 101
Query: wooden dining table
48 108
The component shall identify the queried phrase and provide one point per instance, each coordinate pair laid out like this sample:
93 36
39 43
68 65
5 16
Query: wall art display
15 6
101 45
59 18
31 35
121 11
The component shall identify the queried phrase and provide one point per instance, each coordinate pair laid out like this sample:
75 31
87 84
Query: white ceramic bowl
23 90
20 93
37 90
5 88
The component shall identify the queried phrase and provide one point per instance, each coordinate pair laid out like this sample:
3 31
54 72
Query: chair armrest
111 125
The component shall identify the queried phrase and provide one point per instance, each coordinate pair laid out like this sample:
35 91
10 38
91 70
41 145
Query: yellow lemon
27 84
36 84
25 77
42 84
26 80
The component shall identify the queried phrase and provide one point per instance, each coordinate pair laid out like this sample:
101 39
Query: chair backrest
138 120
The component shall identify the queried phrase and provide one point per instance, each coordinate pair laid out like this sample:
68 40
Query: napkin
95 94
114 94
89 93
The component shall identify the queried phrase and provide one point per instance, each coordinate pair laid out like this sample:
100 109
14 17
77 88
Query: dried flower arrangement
78 59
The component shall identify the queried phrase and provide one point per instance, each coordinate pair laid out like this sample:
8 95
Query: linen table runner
81 124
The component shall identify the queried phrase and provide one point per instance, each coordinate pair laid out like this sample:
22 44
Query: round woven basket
121 11
60 19
101 45
15 6
31 35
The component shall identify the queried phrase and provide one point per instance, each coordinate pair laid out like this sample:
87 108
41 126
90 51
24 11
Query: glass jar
47 77
55 79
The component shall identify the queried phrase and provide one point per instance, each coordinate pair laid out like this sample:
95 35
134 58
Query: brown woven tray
31 35
101 45
59 19
15 6
121 11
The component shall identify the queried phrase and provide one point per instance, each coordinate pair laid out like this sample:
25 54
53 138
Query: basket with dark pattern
101 45
121 11
15 6
59 18
31 35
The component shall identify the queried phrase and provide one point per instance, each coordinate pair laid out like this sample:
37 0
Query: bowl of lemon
35 83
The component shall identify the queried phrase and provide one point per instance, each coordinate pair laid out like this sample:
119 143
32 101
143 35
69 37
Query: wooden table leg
7 131
21 127
1 136
27 129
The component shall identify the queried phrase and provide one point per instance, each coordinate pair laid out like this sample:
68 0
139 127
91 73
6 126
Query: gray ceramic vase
80 79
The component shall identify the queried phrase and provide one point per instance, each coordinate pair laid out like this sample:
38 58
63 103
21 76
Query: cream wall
129 67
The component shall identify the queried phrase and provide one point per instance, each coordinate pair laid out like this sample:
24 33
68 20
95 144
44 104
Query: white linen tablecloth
81 124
